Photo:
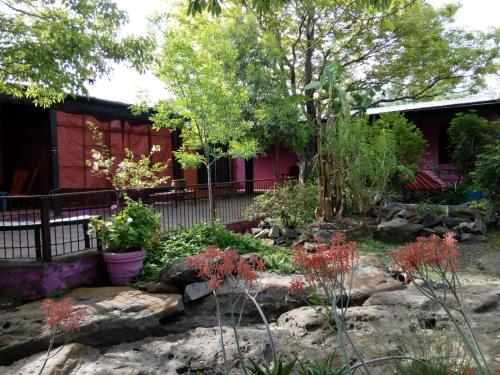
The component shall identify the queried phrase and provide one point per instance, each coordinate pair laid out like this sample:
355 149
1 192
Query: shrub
133 228
180 243
435 209
292 203
486 176
409 140
469 133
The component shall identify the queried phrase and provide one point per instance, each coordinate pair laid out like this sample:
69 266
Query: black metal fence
44 226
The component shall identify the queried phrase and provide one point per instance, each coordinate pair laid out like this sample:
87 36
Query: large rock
452 222
398 231
274 232
490 263
430 220
114 315
69 360
180 274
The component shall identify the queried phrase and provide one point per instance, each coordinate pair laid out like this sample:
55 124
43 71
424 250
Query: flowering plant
132 172
215 266
433 258
61 317
327 269
134 228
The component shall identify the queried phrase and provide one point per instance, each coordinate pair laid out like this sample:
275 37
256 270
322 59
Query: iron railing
41 227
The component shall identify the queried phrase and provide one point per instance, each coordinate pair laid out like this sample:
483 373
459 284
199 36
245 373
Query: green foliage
469 134
202 76
133 228
292 203
440 353
321 367
280 367
279 260
179 243
50 48
486 175
410 143
434 209
133 172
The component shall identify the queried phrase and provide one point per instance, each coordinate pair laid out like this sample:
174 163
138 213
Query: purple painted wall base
31 281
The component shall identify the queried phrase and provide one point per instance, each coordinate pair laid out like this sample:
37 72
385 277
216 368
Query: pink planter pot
123 267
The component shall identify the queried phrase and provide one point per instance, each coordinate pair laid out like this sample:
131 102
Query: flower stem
219 318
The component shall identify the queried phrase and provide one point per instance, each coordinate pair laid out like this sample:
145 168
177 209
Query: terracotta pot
123 267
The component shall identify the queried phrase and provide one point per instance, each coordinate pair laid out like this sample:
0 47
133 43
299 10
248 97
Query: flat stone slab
114 315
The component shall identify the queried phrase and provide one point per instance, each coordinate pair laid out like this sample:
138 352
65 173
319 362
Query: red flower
297 284
61 315
215 265
428 251
327 262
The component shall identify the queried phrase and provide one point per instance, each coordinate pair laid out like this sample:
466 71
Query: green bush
435 209
293 204
133 228
179 243
486 176
469 134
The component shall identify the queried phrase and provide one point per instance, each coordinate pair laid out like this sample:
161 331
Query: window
220 171
444 154
176 145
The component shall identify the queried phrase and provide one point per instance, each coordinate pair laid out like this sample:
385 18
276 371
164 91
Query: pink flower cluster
61 315
215 265
325 263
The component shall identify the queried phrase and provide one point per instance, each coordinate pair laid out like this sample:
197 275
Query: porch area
39 228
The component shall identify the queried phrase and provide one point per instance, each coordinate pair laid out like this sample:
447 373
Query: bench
36 226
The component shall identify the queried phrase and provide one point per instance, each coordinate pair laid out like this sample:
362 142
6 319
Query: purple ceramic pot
123 267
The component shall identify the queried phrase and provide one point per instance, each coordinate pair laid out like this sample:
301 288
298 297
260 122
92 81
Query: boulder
263 233
274 232
195 291
180 274
469 238
430 220
289 233
452 222
441 231
398 231
409 213
479 227
465 227
490 263
114 315
160 287
255 231
391 209
70 359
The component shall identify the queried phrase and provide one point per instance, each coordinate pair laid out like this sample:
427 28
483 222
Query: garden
343 270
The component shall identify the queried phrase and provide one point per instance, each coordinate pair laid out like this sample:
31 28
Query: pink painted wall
37 280
263 166
240 169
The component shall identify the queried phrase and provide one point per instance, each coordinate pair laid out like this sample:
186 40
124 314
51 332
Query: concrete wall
31 281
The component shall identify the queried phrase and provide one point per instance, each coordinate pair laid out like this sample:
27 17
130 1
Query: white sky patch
124 84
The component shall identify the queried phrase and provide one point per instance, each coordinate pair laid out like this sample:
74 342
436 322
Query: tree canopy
48 48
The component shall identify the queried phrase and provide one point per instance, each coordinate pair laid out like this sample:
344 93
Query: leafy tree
261 6
274 112
469 134
50 48
486 175
198 63
409 140
409 51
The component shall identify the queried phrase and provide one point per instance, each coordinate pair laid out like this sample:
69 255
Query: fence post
45 223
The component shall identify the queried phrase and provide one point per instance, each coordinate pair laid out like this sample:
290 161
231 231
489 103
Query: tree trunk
275 157
211 205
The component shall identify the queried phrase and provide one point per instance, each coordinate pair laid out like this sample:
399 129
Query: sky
125 84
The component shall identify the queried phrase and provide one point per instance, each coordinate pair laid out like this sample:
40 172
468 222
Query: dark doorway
25 146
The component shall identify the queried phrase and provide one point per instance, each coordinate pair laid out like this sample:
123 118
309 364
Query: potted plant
125 239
